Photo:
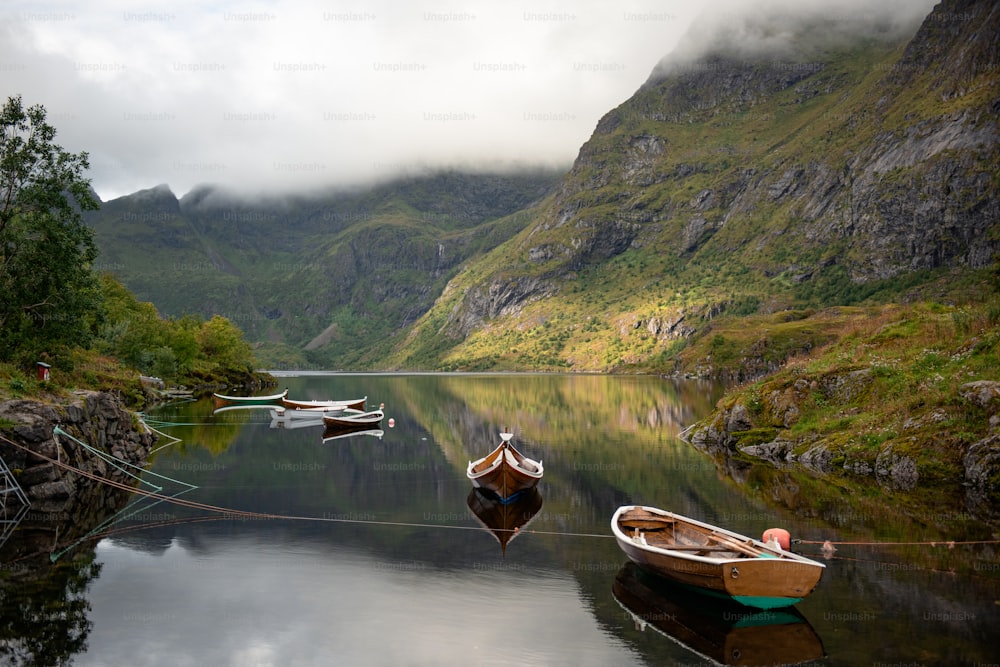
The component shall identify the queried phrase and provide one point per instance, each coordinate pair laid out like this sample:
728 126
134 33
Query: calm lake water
383 560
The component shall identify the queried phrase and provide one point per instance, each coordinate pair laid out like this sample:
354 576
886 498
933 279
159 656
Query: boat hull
350 404
505 471
280 412
223 400
349 419
768 580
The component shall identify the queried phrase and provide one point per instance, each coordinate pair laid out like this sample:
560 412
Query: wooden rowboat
234 407
505 471
713 559
221 399
351 403
354 418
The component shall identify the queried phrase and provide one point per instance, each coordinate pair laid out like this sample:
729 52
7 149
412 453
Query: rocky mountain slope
313 278
814 172
837 160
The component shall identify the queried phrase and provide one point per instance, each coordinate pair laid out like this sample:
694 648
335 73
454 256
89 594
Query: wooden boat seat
646 524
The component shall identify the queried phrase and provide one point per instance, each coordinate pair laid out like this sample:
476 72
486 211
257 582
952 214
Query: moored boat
354 418
713 559
221 399
279 412
505 471
350 403
234 407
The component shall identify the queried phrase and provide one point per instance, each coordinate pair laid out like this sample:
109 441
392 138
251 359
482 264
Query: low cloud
794 30
282 96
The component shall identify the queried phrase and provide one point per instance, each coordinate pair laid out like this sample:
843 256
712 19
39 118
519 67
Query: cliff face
95 418
802 170
329 271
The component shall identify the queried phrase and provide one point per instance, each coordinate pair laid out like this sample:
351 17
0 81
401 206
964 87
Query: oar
736 544
698 547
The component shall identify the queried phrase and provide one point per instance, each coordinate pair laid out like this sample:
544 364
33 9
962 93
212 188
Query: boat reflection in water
504 517
331 432
289 424
715 628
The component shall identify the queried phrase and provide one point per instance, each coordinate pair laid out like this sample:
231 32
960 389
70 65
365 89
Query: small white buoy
392 422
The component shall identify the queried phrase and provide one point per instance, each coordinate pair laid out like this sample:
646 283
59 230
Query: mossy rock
755 436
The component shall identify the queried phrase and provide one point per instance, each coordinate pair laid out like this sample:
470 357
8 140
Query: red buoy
779 535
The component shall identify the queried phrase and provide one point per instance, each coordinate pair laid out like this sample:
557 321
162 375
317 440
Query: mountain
775 161
827 167
315 278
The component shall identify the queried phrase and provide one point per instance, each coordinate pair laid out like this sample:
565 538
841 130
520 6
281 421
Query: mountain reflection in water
390 561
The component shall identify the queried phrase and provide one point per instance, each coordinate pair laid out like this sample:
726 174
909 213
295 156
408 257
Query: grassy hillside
841 171
320 280
845 173
903 394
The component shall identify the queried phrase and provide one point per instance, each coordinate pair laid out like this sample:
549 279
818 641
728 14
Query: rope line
228 513
140 506
247 514
113 460
951 544
173 439
164 424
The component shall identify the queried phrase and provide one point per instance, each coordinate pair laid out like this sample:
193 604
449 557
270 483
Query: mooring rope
230 513
56 432
114 460
951 544
110 521
828 546
164 424
173 439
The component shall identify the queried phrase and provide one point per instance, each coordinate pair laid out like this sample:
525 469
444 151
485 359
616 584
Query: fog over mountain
789 30
282 96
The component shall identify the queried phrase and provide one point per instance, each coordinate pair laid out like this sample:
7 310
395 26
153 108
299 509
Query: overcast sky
285 95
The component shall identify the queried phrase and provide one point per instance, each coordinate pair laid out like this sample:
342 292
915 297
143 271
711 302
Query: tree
49 291
222 343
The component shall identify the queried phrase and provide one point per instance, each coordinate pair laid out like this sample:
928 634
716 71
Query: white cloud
283 95
279 95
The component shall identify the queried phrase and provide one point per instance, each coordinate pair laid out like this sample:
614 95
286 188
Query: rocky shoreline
98 419
757 425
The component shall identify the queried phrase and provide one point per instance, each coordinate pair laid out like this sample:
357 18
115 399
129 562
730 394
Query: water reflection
46 567
339 432
387 545
504 517
727 633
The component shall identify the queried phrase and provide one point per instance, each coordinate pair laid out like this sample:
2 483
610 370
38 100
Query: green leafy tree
223 345
132 331
50 294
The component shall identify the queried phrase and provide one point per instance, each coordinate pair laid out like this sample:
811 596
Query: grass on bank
890 376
